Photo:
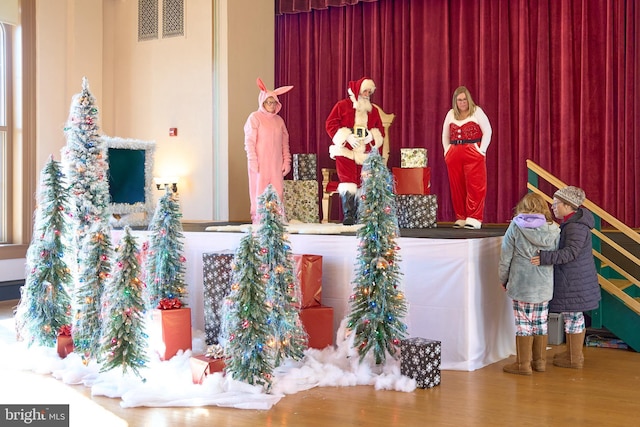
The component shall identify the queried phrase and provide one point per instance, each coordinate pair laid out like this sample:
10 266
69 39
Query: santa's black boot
348 208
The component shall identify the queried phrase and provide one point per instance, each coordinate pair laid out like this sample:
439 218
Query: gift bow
214 351
169 303
65 330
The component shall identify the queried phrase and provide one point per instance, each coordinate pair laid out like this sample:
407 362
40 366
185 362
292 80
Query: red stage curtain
558 79
297 6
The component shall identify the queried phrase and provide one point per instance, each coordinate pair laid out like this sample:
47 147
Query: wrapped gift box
308 271
420 359
65 345
203 365
301 201
416 211
304 167
173 330
412 180
413 157
216 275
318 322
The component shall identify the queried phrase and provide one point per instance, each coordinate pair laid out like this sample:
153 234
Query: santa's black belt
359 131
465 141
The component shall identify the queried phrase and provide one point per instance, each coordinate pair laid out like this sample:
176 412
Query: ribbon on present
169 303
214 351
65 331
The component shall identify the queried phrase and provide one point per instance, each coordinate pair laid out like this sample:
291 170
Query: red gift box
174 327
202 365
65 345
308 271
318 322
412 180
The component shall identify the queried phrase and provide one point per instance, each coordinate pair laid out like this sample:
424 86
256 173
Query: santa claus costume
465 145
266 141
355 128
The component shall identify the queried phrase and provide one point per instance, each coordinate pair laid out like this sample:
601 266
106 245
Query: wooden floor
605 393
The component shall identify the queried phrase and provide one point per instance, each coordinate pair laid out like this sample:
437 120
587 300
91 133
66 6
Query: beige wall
251 51
67 48
202 83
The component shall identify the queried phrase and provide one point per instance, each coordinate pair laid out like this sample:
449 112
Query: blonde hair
472 105
534 203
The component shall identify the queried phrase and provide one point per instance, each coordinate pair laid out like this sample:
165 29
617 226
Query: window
5 128
18 175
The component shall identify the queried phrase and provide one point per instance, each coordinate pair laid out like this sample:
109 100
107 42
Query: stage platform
449 278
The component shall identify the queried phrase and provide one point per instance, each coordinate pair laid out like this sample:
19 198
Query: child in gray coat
530 287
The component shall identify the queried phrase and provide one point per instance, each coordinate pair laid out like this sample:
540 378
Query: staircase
619 309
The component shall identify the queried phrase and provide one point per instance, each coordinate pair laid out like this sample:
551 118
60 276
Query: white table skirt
451 285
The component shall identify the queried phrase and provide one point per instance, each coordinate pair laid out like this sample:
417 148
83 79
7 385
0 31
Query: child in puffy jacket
575 279
530 287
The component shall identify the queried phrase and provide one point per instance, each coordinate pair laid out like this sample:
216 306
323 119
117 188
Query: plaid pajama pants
531 318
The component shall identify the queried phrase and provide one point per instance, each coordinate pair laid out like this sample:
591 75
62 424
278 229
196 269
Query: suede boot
522 365
565 354
349 208
574 358
539 362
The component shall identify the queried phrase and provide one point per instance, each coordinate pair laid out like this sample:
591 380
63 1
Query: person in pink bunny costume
266 141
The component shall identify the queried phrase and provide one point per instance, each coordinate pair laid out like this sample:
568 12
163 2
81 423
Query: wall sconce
166 182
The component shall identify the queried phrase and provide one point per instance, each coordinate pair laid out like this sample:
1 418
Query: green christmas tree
165 263
87 172
45 305
245 316
377 306
289 336
94 270
124 341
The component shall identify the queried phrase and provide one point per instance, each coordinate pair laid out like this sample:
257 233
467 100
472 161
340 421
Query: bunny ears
278 91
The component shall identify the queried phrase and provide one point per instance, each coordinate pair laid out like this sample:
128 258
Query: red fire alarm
173 131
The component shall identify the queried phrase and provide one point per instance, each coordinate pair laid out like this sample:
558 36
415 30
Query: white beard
363 108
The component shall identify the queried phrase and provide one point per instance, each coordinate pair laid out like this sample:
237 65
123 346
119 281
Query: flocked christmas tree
45 306
87 171
124 340
289 336
165 261
377 305
245 314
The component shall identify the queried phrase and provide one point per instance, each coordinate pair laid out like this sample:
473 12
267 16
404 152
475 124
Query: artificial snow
169 383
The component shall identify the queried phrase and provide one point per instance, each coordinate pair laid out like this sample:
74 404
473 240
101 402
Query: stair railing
622 292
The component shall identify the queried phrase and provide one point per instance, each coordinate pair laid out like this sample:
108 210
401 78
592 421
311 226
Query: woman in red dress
466 135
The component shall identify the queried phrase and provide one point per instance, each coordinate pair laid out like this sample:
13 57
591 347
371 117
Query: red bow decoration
169 303
65 330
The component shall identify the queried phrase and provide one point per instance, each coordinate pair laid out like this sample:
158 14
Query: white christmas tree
87 172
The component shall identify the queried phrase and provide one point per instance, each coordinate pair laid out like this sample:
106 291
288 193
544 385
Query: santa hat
357 87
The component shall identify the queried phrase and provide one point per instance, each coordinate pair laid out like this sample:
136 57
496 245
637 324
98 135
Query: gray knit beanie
571 195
